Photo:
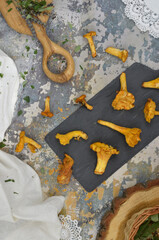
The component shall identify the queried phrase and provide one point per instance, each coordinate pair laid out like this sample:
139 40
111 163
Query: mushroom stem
156 112
151 84
123 82
89 37
89 107
101 162
82 100
47 112
21 143
92 46
112 125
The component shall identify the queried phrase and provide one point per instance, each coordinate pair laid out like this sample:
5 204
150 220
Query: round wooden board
135 199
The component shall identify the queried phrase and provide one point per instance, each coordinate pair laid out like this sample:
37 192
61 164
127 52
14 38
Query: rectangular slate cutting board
85 120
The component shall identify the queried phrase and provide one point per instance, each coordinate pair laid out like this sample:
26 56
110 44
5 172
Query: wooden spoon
15 21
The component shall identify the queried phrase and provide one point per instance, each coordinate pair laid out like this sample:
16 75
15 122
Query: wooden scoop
15 21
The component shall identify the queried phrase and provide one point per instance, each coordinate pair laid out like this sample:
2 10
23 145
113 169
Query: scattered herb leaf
66 40
25 72
24 83
20 112
27 48
1 75
10 10
81 67
15 193
32 87
22 75
35 51
77 48
42 170
27 99
9 2
70 25
2 145
10 180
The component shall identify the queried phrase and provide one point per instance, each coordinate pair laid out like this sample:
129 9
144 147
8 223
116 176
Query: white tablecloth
24 214
9 84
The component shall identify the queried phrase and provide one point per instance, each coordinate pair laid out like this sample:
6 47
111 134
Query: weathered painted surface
74 18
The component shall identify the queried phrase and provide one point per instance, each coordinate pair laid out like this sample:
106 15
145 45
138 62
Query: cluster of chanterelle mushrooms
124 100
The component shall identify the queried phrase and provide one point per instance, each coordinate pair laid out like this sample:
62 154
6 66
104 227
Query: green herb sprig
148 230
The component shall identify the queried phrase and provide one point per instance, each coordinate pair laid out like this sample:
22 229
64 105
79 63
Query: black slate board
85 120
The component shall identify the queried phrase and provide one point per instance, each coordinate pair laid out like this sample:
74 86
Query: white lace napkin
24 214
145 14
9 84
70 229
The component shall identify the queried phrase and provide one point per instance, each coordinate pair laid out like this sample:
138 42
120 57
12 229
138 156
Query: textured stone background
73 19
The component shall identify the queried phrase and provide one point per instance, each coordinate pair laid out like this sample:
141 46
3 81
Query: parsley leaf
1 75
81 67
9 2
22 75
77 48
70 25
24 83
66 40
27 48
10 180
20 112
10 10
27 99
2 145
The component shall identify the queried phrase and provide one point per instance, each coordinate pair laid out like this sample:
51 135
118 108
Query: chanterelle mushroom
65 138
65 170
89 37
104 152
151 84
122 54
82 100
132 135
150 110
31 143
123 100
47 112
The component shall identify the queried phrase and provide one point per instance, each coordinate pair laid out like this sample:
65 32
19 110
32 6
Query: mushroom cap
149 110
90 34
98 145
80 99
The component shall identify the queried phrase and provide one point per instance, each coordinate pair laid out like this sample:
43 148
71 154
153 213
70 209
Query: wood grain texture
136 198
16 22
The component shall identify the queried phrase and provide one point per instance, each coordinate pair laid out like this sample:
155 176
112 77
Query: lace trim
144 17
70 229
